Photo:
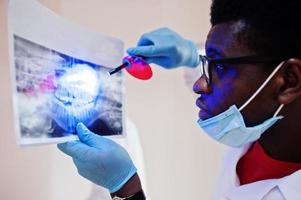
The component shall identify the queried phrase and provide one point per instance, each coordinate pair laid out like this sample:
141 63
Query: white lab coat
228 188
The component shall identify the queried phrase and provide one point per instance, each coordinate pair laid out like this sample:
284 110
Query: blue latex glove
166 48
100 159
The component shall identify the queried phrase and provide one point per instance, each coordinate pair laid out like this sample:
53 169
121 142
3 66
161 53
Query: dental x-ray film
59 74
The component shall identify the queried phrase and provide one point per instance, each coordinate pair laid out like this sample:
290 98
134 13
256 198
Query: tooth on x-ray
76 96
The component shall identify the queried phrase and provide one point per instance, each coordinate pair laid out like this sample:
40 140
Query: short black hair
273 27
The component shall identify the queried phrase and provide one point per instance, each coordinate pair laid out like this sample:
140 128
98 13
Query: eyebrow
212 52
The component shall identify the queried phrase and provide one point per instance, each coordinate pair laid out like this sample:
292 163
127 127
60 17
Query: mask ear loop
278 110
261 88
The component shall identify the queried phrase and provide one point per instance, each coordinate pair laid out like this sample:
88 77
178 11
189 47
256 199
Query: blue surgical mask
229 127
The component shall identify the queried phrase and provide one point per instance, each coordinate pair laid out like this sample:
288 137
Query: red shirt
257 165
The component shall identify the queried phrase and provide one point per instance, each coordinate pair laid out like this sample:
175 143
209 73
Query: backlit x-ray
56 91
61 81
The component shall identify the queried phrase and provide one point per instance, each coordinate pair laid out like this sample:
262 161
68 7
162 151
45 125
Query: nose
201 86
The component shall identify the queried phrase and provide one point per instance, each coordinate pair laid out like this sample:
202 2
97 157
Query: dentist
250 100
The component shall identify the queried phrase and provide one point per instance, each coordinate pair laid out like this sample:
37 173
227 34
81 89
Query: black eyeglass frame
206 61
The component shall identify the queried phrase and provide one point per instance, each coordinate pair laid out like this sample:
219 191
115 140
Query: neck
282 141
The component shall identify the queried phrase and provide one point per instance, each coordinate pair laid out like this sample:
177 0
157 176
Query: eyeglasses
206 62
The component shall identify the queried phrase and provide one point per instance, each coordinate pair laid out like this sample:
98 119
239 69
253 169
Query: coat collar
289 186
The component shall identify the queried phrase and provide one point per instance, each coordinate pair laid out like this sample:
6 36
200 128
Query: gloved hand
166 48
100 159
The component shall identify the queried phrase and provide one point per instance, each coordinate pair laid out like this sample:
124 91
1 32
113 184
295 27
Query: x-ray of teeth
56 91
76 97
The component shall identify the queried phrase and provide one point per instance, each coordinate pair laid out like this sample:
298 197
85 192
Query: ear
290 81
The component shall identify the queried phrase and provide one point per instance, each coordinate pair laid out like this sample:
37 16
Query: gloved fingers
91 139
145 40
162 31
86 170
156 36
162 61
78 150
142 51
146 51
81 165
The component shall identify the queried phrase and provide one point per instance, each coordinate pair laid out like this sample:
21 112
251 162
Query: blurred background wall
181 162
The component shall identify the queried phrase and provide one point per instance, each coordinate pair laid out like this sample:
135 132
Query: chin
203 115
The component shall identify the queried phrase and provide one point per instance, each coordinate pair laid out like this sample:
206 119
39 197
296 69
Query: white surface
33 21
181 161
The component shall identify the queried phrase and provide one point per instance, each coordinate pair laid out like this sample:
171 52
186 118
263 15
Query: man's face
233 83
